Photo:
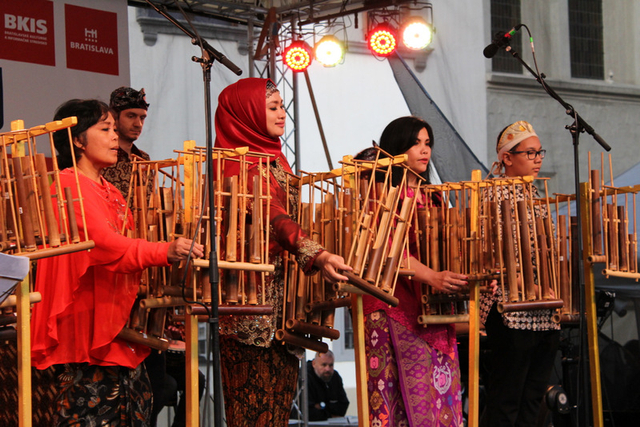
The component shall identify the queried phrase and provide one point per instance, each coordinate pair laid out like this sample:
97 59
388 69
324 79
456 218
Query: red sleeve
285 232
104 220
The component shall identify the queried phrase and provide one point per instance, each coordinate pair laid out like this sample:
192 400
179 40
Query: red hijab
241 121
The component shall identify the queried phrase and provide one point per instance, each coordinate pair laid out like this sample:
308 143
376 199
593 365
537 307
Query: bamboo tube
509 251
443 319
12 300
298 327
252 287
327 304
613 237
544 273
224 265
45 194
506 307
399 237
380 244
347 221
64 249
164 301
231 286
130 335
71 214
293 339
316 290
527 260
575 263
565 285
31 184
362 241
255 253
434 238
329 239
371 290
23 206
231 187
455 263
623 241
422 218
596 212
176 291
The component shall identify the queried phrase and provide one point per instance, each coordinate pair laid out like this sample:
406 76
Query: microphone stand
579 125
209 55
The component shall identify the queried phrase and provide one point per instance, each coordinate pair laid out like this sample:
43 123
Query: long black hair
400 135
89 112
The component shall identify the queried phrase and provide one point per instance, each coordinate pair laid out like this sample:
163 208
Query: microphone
501 39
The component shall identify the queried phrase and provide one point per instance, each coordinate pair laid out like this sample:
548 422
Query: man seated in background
326 394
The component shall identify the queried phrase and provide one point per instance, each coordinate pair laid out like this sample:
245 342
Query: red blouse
87 296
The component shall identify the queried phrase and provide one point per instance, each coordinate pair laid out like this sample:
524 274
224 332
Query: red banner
27 31
92 39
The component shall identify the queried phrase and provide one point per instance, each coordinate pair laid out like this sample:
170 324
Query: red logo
27 31
92 39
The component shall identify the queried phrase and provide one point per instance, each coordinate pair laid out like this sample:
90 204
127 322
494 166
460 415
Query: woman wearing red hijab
259 374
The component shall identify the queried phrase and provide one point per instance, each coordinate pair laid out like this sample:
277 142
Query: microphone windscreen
490 51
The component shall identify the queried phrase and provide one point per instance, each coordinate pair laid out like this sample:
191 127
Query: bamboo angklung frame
528 272
174 209
28 225
347 213
447 240
310 302
613 226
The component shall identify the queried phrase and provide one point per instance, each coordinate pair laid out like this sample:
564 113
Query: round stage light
298 56
416 33
382 40
329 51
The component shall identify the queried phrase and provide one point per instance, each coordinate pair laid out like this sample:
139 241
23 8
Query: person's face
100 143
323 366
130 123
519 164
276 115
419 154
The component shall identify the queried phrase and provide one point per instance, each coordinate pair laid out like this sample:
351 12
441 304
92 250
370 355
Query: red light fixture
382 40
298 55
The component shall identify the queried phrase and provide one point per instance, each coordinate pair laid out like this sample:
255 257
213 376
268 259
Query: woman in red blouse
259 374
87 296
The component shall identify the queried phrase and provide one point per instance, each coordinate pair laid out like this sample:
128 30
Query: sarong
113 396
410 384
259 383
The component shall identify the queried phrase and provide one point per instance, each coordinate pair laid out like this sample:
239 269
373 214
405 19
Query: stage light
382 40
298 56
416 33
329 51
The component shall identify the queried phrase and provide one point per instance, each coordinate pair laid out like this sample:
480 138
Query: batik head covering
241 121
124 98
511 136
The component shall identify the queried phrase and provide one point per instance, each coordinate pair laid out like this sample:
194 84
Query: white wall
355 99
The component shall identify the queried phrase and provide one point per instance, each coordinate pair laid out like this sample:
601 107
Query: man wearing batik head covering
131 111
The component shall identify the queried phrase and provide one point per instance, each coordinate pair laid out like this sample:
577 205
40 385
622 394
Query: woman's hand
493 287
179 249
447 281
330 264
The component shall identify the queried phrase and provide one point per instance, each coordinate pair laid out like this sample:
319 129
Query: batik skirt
113 396
259 383
410 384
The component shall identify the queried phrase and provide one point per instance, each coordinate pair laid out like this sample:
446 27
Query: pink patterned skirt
410 384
